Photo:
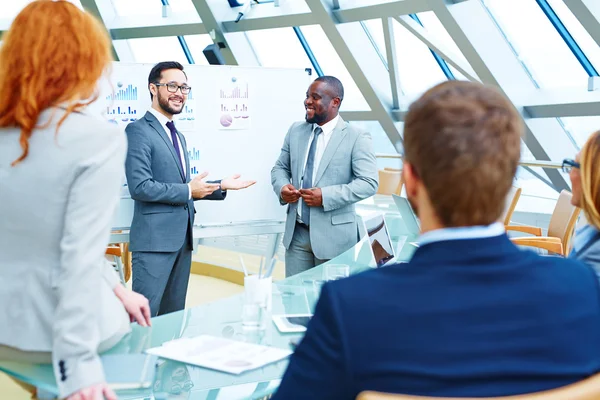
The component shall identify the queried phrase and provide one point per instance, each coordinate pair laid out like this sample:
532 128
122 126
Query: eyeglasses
568 165
172 87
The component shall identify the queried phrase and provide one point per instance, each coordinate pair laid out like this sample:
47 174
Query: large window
581 36
278 48
580 128
417 68
537 43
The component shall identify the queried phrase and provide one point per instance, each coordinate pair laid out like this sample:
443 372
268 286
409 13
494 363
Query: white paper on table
220 354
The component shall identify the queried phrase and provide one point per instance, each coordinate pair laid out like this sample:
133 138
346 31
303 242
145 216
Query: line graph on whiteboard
234 107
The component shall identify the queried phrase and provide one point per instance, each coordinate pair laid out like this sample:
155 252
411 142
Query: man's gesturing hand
201 188
289 193
235 183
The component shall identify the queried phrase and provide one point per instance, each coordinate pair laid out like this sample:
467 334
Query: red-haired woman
60 174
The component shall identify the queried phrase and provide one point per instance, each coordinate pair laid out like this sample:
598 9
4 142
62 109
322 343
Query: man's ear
152 87
410 179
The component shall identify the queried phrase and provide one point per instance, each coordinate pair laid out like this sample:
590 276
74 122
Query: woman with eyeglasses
61 170
584 172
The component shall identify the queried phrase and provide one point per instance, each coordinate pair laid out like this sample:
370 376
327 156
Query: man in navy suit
470 315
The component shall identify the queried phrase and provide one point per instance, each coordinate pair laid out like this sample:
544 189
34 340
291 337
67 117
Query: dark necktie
308 174
171 126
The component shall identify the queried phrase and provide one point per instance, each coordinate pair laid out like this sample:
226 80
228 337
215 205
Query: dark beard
317 119
164 104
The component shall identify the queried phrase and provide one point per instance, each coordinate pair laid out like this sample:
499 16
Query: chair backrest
587 389
512 198
390 182
562 222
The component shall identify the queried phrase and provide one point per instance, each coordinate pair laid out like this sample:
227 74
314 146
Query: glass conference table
223 318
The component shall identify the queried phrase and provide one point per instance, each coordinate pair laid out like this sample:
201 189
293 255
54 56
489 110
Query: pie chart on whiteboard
226 120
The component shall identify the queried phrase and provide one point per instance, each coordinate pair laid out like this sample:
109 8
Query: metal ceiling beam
562 103
392 61
271 22
358 115
158 31
492 58
376 11
436 45
323 16
588 13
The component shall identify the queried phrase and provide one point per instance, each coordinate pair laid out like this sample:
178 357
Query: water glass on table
253 316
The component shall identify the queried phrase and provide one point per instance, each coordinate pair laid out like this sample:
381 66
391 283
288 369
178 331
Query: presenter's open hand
201 188
289 193
99 391
312 197
135 304
235 183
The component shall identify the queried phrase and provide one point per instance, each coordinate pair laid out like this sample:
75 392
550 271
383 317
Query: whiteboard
235 121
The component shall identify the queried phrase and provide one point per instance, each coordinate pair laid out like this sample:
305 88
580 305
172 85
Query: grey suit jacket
56 209
163 211
589 253
347 174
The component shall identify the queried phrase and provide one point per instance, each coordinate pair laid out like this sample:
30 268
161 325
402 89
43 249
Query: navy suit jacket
470 318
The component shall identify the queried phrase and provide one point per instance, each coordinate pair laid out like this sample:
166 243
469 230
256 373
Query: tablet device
379 239
291 323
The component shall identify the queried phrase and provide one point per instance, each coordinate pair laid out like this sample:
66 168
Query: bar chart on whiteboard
122 105
194 157
234 108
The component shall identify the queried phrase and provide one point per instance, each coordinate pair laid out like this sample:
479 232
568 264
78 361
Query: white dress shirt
322 141
162 119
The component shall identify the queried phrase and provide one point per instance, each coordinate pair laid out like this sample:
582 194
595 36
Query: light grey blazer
347 174
56 209
163 211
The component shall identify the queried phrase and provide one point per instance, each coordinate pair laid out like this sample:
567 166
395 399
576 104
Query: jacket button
185 207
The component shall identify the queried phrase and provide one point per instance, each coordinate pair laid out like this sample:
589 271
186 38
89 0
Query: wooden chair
122 260
512 198
560 229
587 389
390 182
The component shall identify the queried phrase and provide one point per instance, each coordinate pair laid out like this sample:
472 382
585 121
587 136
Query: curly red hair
53 54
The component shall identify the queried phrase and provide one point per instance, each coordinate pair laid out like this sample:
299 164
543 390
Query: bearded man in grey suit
158 176
325 167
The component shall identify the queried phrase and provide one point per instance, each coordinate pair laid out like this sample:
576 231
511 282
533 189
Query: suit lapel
161 132
302 145
337 136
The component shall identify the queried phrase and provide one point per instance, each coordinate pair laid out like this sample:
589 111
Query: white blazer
56 208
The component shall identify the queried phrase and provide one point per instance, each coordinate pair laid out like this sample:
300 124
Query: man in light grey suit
325 166
158 176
